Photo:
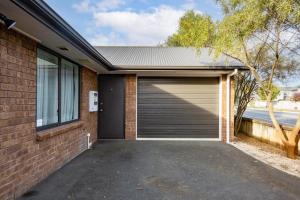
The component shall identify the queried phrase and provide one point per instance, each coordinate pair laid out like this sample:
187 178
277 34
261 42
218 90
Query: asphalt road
285 118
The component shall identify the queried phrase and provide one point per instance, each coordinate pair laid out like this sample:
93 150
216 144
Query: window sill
49 133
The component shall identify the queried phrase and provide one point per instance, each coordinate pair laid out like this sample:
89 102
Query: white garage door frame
184 139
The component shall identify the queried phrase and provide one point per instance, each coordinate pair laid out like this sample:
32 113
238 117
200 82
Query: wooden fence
264 132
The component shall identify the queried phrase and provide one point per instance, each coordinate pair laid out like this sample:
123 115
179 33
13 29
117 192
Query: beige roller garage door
178 107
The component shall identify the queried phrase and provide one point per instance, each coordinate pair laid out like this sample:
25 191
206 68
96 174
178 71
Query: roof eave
47 16
144 67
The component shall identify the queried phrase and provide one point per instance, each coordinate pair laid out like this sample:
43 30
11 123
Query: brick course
232 89
130 107
224 107
24 161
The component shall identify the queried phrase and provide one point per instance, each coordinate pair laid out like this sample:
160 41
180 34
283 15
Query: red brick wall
232 91
130 107
25 158
88 83
224 107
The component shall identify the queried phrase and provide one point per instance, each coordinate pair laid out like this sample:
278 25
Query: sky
129 22
133 22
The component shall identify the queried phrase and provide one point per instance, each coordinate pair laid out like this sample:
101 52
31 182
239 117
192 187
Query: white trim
179 139
136 110
227 109
26 34
228 103
184 139
220 107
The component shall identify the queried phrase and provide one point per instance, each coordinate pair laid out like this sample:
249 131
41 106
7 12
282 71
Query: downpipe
228 105
89 144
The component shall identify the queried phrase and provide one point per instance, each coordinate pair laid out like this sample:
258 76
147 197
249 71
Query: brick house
47 74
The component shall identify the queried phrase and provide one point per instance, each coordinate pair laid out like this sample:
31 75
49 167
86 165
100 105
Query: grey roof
133 57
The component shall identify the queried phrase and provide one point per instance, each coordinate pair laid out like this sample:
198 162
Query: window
69 91
57 90
47 89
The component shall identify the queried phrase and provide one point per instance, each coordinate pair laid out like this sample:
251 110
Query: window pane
47 88
69 91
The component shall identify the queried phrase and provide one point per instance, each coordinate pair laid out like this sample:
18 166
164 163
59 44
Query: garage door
178 107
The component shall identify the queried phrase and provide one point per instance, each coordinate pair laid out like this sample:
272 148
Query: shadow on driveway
144 170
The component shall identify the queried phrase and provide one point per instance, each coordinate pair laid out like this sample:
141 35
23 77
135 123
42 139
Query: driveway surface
284 118
150 170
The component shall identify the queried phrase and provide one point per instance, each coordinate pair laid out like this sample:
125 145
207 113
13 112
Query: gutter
49 18
174 67
228 105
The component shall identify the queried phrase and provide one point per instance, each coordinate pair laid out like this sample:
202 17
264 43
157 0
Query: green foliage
273 89
263 34
251 20
194 30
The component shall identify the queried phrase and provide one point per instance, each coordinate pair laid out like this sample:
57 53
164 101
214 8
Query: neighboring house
47 74
287 93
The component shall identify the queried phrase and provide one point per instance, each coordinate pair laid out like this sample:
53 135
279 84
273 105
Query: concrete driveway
148 170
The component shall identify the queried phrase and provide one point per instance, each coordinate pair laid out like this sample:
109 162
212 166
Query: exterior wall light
9 23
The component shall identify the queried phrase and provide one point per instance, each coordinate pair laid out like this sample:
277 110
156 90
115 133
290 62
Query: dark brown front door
111 106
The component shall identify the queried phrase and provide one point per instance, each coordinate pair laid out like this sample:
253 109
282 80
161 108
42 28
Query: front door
111 106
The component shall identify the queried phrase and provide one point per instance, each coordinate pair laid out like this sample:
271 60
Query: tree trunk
297 145
290 141
245 85
295 136
290 150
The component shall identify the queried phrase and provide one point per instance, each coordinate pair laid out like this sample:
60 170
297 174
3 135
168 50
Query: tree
296 96
194 30
245 85
197 30
274 90
263 34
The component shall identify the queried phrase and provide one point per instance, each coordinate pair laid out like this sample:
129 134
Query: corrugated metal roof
132 57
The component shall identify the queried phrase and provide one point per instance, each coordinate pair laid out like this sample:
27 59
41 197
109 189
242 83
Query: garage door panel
181 105
178 107
199 131
180 134
209 109
177 89
184 124
195 115
187 127
165 95
163 117
200 101
175 80
155 91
